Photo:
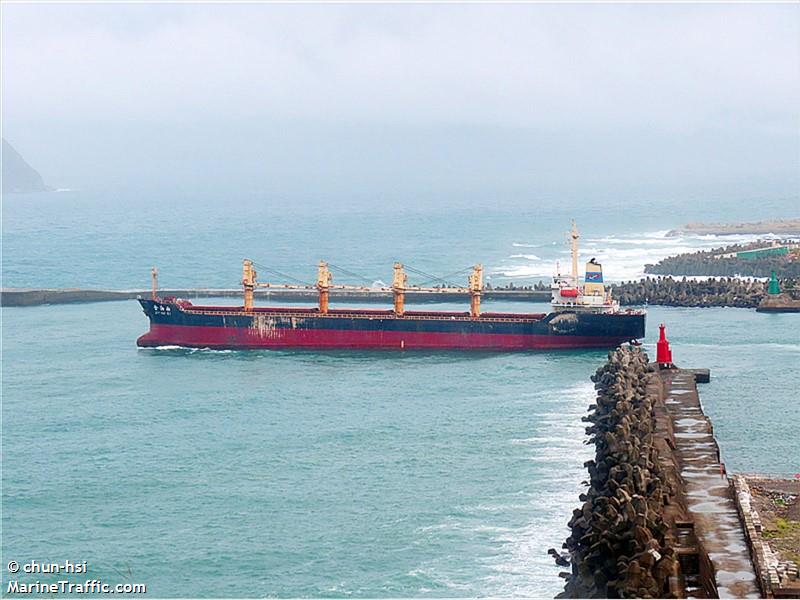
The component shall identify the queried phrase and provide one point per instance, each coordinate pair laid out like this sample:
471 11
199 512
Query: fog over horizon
429 104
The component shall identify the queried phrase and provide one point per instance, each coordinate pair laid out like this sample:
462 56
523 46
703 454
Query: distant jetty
36 297
781 227
778 300
663 291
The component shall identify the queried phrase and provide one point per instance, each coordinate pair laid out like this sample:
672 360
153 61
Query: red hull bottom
235 338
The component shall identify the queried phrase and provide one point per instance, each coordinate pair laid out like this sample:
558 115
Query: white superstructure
569 294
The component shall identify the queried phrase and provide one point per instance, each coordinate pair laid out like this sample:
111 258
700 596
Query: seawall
769 508
35 297
663 291
659 518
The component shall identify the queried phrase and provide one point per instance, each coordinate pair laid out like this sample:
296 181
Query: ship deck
359 313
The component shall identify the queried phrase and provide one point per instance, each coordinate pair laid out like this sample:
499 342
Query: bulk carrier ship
583 316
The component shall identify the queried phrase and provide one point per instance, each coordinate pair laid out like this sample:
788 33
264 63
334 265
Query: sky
419 101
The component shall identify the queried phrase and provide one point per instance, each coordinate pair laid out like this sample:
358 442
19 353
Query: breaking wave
516 529
516 245
623 256
526 256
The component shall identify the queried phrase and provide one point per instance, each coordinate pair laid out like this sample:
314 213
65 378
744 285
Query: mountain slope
18 175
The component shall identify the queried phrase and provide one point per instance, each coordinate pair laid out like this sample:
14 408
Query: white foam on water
516 245
172 348
527 271
526 256
535 441
623 257
522 567
661 233
518 528
645 241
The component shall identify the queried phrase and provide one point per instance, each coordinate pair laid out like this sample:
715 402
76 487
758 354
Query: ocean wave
623 256
643 241
731 238
525 256
516 560
746 346
549 440
434 576
516 570
661 233
526 271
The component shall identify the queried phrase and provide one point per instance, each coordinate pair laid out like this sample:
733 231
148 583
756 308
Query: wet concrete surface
708 494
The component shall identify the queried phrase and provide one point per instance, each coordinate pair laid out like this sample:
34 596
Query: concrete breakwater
658 519
35 297
669 291
665 291
758 259
618 546
789 227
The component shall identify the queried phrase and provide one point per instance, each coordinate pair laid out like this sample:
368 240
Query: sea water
111 241
301 473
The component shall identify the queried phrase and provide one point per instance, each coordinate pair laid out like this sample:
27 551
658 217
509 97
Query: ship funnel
594 279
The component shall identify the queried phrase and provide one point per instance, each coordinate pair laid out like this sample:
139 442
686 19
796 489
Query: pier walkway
707 491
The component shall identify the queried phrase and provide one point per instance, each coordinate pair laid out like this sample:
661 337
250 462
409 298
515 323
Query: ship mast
399 288
154 275
475 288
324 279
574 247
249 283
